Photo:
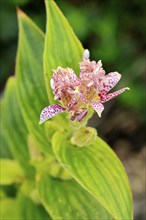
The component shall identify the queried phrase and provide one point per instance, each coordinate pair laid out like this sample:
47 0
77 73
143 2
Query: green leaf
30 79
14 131
4 147
22 208
9 209
11 172
29 210
99 171
68 200
62 48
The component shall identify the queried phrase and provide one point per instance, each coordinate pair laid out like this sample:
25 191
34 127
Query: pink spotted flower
78 94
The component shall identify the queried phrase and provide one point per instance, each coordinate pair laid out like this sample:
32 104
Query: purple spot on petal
50 111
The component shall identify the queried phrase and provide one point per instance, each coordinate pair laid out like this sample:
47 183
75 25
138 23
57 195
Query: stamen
82 115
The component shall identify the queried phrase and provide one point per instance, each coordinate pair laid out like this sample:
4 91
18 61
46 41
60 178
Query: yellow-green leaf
11 172
99 171
68 200
22 208
14 131
62 48
9 209
4 148
30 79
31 211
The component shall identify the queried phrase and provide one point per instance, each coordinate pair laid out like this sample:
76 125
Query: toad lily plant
77 95
60 169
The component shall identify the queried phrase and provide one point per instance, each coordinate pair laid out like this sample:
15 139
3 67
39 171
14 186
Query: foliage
53 178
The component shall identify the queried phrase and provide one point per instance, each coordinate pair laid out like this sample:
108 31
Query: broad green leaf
14 131
62 48
68 200
9 209
22 208
4 148
30 79
31 211
11 172
99 171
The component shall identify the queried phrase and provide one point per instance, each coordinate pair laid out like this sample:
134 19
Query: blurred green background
114 31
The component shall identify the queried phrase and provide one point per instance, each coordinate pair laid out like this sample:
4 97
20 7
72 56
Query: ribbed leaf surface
68 200
4 147
14 130
30 79
99 171
31 211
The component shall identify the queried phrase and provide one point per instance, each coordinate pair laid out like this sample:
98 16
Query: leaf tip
20 13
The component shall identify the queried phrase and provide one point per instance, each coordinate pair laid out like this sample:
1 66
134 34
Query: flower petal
83 99
64 81
50 111
109 81
91 73
112 95
86 54
98 107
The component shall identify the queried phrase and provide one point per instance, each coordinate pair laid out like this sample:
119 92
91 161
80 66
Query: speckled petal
50 111
98 107
112 95
109 81
63 82
83 99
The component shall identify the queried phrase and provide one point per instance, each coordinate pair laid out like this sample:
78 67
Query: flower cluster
78 94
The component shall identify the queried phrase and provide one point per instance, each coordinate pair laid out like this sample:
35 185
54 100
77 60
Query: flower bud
84 137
